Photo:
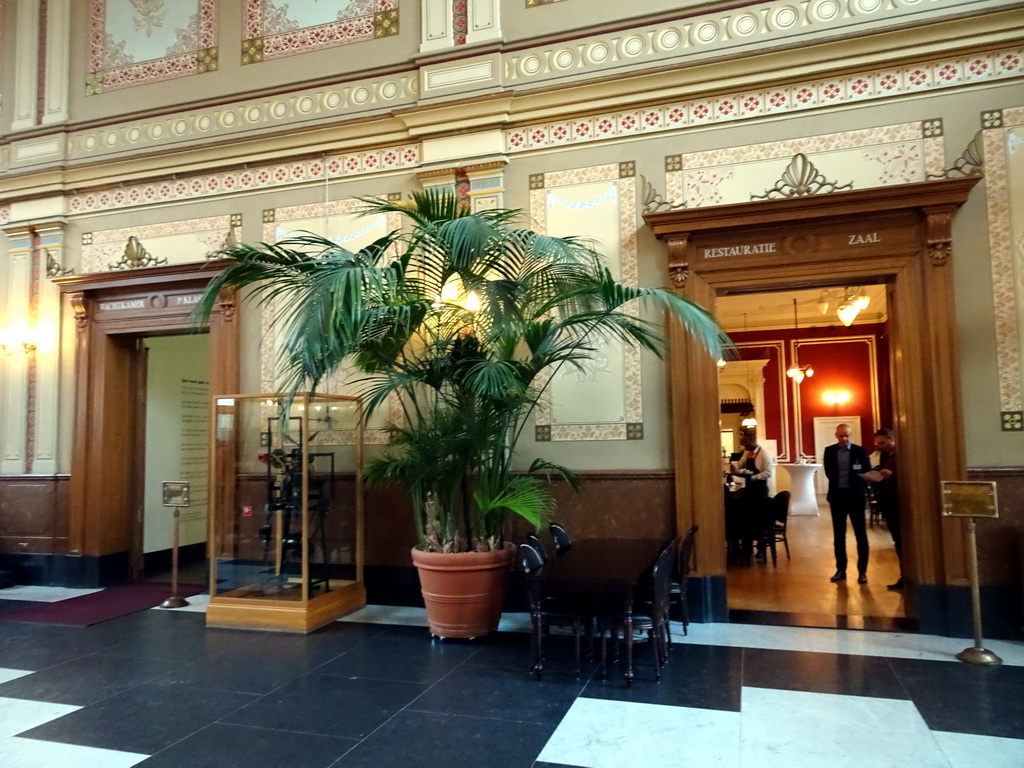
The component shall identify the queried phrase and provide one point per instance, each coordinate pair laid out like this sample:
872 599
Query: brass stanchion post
174 601
978 654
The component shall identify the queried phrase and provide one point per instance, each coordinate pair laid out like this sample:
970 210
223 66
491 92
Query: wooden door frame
818 240
109 307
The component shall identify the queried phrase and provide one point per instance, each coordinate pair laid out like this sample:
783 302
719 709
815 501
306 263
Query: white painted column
14 405
26 64
45 458
58 62
484 21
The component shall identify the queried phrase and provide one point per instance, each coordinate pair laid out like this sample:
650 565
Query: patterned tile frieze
732 31
247 179
341 222
601 201
273 28
932 75
132 42
5 214
1003 141
171 242
871 157
337 101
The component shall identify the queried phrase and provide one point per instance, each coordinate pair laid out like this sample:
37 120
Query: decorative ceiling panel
132 42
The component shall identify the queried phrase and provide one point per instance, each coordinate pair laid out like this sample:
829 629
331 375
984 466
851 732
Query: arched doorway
113 311
900 236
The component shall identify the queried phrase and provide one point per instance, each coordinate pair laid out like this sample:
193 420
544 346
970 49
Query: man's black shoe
839 576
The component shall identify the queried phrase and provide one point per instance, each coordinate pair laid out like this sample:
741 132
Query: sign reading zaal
176 493
969 498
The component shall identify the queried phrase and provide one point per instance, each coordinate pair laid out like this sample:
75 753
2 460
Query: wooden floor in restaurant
800 588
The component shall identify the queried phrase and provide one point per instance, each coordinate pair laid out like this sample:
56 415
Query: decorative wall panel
604 400
873 157
340 221
172 242
1003 135
132 42
867 85
273 28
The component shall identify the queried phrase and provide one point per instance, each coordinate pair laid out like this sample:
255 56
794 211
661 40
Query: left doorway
173 423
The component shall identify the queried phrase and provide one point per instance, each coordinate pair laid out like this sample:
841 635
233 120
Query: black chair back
686 556
530 558
664 567
534 541
780 506
562 539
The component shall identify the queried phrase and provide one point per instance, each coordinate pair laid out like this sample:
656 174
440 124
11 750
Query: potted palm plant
462 317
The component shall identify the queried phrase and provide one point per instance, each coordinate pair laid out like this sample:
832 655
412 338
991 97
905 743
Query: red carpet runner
111 603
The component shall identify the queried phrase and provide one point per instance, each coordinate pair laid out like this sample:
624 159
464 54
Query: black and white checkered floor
158 689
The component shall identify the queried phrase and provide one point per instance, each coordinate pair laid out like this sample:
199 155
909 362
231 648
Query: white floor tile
44 594
388 614
6 675
618 734
843 641
18 715
876 731
966 750
32 753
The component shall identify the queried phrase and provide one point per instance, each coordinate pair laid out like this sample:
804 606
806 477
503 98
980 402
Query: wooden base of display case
286 615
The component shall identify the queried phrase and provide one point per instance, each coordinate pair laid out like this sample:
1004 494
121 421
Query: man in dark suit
847 497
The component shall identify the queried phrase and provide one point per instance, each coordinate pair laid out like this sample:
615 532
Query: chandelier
849 302
796 371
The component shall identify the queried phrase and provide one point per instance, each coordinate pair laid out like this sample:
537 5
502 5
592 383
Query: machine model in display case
286 522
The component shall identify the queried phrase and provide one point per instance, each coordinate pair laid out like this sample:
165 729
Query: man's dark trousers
847 502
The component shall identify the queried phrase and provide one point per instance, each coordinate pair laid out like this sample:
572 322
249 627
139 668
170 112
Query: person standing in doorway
844 464
886 492
755 466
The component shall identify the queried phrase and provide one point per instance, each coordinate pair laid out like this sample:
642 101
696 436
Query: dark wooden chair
650 617
677 591
534 541
546 612
780 518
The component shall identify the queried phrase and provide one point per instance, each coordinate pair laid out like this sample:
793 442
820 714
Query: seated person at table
755 467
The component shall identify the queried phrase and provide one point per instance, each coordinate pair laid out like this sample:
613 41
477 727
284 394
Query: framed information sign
969 498
176 493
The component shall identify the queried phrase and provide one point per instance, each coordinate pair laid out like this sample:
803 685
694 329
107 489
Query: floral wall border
247 179
260 43
996 125
625 174
869 85
273 218
203 59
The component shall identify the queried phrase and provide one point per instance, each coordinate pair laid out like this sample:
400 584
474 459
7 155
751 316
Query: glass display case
286 516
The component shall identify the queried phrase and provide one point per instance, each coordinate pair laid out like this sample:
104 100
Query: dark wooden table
608 569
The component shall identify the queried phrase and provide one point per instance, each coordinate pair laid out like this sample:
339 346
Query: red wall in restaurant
841 360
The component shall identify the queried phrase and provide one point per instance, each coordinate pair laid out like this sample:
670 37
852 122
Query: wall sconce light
837 398
14 341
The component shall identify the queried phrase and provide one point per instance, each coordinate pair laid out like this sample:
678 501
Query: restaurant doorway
811 371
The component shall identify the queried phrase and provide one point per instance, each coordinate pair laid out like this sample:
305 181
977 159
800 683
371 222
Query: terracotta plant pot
463 591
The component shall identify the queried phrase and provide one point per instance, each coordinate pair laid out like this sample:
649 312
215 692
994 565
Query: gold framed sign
176 493
969 498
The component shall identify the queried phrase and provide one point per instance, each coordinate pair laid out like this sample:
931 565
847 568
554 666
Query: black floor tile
329 705
84 680
821 673
37 646
415 738
399 656
502 693
245 669
143 719
221 745
963 698
7 606
700 676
